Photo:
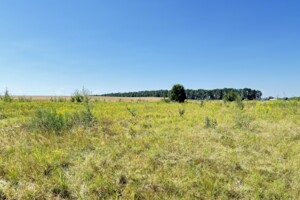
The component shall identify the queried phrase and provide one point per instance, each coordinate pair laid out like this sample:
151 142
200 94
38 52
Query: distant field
149 150
100 98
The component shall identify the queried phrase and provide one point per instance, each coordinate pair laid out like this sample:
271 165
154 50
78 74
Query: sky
55 47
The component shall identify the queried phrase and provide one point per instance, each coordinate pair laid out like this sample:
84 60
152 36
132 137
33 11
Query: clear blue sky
54 47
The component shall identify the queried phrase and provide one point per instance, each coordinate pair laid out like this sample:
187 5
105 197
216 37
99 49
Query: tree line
216 94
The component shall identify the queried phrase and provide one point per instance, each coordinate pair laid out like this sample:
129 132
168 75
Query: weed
62 189
166 100
132 111
2 195
242 121
181 112
202 103
80 96
210 123
7 97
50 121
84 118
239 104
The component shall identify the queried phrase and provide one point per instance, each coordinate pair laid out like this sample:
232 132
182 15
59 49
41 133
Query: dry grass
159 152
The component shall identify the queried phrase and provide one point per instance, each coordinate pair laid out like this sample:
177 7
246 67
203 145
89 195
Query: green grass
153 150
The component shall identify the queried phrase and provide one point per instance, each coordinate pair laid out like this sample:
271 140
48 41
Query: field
152 150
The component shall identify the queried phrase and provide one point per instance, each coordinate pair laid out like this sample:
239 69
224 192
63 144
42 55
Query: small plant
242 121
132 111
21 99
239 103
181 112
61 99
2 116
210 123
7 97
166 100
51 121
201 103
84 118
62 189
80 96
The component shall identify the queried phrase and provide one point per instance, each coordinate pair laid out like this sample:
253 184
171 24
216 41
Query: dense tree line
217 94
153 93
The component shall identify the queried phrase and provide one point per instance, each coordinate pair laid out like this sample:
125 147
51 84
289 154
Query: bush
242 121
80 96
210 123
234 96
51 121
7 97
239 103
231 96
84 118
178 93
166 100
181 112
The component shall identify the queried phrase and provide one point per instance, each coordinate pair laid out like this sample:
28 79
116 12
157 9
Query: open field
99 98
153 150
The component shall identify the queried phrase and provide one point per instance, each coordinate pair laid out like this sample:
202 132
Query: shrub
166 100
242 121
178 93
234 96
210 123
132 111
51 121
77 97
84 118
7 97
231 96
23 99
181 112
80 96
239 103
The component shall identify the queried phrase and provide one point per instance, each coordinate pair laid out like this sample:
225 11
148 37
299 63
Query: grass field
153 150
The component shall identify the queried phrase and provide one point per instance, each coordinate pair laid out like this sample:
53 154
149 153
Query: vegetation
6 97
150 150
80 96
217 94
177 93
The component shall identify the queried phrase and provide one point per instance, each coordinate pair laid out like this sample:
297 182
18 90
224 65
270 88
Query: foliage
177 93
181 112
216 94
166 100
84 118
50 121
80 96
6 97
231 96
242 121
210 123
132 111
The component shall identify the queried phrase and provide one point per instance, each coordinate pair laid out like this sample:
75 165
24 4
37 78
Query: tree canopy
178 93
216 94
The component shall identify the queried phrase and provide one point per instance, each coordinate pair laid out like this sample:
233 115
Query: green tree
231 96
178 93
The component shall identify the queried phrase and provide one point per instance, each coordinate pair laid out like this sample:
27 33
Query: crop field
149 150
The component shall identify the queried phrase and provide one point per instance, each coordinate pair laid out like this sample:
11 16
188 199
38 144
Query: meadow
152 150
